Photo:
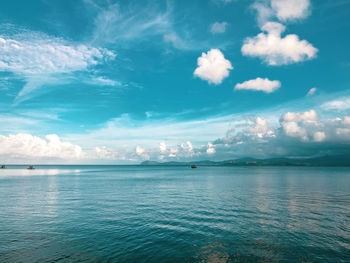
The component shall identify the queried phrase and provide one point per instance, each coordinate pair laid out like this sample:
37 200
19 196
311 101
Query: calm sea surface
174 214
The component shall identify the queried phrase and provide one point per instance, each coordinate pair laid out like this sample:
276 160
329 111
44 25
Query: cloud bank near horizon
298 134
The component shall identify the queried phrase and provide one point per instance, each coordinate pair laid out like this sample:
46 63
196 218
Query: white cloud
346 120
187 146
218 27
213 67
311 92
264 11
162 147
259 84
47 56
40 59
142 153
28 147
276 50
319 136
210 148
139 150
302 125
260 128
337 105
112 24
283 10
104 82
298 134
290 9
178 42
310 115
105 153
292 129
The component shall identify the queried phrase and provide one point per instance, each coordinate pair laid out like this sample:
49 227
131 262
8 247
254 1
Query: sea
174 214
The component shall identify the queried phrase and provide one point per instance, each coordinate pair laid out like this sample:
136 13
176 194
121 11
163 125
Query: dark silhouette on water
193 166
31 167
3 167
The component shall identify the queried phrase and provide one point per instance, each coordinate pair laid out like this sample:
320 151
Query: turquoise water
174 214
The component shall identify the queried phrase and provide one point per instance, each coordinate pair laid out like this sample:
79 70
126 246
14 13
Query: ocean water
174 214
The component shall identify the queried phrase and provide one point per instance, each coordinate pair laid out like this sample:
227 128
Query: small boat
3 167
31 167
193 166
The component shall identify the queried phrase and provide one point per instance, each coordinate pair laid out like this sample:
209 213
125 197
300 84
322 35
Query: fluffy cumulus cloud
259 84
260 128
218 27
301 125
39 59
297 135
213 67
25 146
283 10
274 49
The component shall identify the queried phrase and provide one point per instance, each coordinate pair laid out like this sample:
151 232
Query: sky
121 82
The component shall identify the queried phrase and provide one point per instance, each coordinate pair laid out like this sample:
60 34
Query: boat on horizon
193 166
3 167
31 167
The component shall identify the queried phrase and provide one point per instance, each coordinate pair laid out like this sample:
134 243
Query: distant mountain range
317 161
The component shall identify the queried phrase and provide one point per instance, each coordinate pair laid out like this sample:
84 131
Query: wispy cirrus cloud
125 24
114 24
41 60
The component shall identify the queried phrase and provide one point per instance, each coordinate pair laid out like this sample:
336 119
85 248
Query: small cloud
210 148
162 147
311 92
139 150
259 84
276 50
287 10
283 10
319 136
213 67
176 41
218 28
337 105
105 82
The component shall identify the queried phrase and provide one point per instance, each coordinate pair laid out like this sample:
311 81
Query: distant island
317 161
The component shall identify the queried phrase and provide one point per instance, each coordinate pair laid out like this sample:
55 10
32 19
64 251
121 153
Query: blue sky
92 81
